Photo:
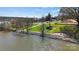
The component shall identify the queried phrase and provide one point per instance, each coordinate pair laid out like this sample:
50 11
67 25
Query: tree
23 24
69 12
48 18
42 27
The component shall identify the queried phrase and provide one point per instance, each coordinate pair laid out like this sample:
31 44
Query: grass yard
55 27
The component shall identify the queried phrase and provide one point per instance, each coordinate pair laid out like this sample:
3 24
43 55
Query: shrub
71 31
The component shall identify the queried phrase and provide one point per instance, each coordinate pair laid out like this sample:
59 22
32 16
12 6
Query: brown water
10 41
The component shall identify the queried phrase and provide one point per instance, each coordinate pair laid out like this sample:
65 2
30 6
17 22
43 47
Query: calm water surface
10 41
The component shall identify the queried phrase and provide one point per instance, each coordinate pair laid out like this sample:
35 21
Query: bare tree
69 12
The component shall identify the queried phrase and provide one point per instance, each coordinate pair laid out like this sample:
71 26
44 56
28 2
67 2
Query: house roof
70 21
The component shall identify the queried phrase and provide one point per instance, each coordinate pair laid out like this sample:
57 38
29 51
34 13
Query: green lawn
56 27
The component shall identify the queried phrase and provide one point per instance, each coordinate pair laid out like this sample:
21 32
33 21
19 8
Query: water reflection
11 41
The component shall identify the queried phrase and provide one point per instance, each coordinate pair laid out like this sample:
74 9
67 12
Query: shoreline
52 37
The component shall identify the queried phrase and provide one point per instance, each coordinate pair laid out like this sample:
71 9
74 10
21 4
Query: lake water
11 41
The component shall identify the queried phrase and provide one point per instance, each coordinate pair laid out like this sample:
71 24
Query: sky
28 11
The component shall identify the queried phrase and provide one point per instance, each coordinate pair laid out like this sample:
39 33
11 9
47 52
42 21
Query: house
70 21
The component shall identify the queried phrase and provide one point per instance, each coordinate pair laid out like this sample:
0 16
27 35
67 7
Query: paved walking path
36 25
